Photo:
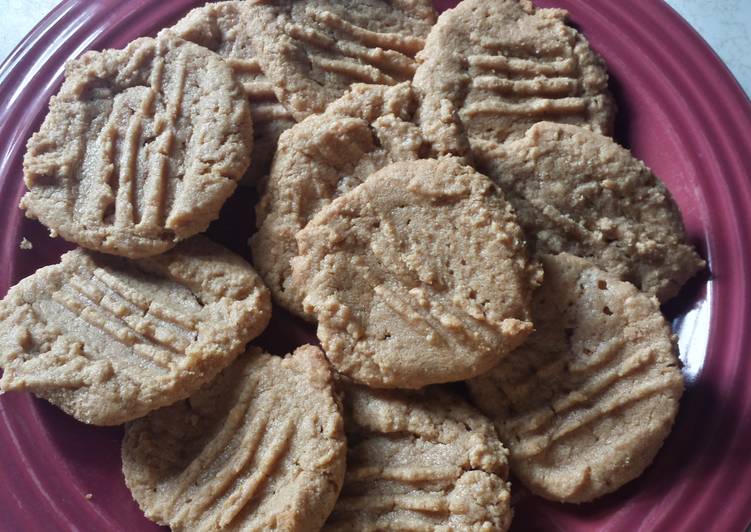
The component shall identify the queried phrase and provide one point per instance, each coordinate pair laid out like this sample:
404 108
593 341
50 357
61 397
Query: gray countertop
724 24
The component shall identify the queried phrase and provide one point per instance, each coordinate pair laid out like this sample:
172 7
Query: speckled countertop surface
724 24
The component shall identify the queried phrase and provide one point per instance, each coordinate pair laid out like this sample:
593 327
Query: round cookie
417 276
492 69
585 404
109 339
579 192
140 149
260 448
313 50
420 461
325 155
221 27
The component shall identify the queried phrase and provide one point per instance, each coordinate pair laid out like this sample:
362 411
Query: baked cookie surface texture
420 461
140 149
313 50
494 68
260 448
321 158
221 27
417 276
579 192
587 401
108 339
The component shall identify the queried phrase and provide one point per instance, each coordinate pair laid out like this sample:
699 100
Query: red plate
680 111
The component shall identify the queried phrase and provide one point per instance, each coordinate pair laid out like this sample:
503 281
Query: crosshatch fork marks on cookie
150 330
523 85
140 148
108 339
313 51
261 447
134 191
360 61
599 375
413 461
503 66
156 332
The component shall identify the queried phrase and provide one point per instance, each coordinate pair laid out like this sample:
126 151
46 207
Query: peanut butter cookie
492 69
140 149
260 448
109 339
420 461
417 276
585 404
579 192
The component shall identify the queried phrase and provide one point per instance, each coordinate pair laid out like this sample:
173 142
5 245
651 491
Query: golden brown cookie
579 192
109 339
493 69
585 404
260 448
221 27
313 50
420 461
325 155
417 276
140 149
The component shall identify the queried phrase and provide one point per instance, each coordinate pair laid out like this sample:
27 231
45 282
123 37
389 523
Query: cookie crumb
26 244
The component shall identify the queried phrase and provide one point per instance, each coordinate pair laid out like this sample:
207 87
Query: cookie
109 339
585 404
140 149
417 276
313 50
420 461
579 192
325 155
495 68
221 27
260 448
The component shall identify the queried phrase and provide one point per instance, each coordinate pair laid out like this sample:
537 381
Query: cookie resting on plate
109 339
585 404
494 68
579 192
417 276
260 448
140 149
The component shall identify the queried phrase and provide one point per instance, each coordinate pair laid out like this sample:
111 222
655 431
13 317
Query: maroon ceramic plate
680 111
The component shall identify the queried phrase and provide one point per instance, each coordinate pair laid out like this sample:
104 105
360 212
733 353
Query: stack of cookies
439 198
